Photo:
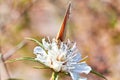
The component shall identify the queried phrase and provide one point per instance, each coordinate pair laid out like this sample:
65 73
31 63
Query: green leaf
14 79
38 67
84 59
54 76
39 43
98 74
0 55
23 58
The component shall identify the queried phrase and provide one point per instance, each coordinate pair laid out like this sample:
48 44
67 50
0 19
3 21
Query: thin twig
3 69
12 51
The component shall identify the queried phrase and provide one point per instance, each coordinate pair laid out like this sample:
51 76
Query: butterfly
62 31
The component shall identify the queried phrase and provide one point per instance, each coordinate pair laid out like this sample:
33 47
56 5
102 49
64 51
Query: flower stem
54 76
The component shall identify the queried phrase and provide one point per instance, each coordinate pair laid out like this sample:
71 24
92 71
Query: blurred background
93 24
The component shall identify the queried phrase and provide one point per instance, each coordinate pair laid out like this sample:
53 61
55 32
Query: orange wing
62 31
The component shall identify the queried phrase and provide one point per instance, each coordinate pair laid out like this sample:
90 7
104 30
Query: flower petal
63 47
81 68
76 57
73 47
46 44
76 76
54 45
41 58
40 51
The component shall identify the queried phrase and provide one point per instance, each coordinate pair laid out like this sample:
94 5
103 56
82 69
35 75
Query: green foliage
14 79
21 3
39 43
38 67
23 58
112 19
98 74
54 76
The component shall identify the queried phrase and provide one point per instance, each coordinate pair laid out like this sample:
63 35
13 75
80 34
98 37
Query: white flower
62 56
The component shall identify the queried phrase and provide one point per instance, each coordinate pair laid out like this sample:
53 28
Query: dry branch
12 51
